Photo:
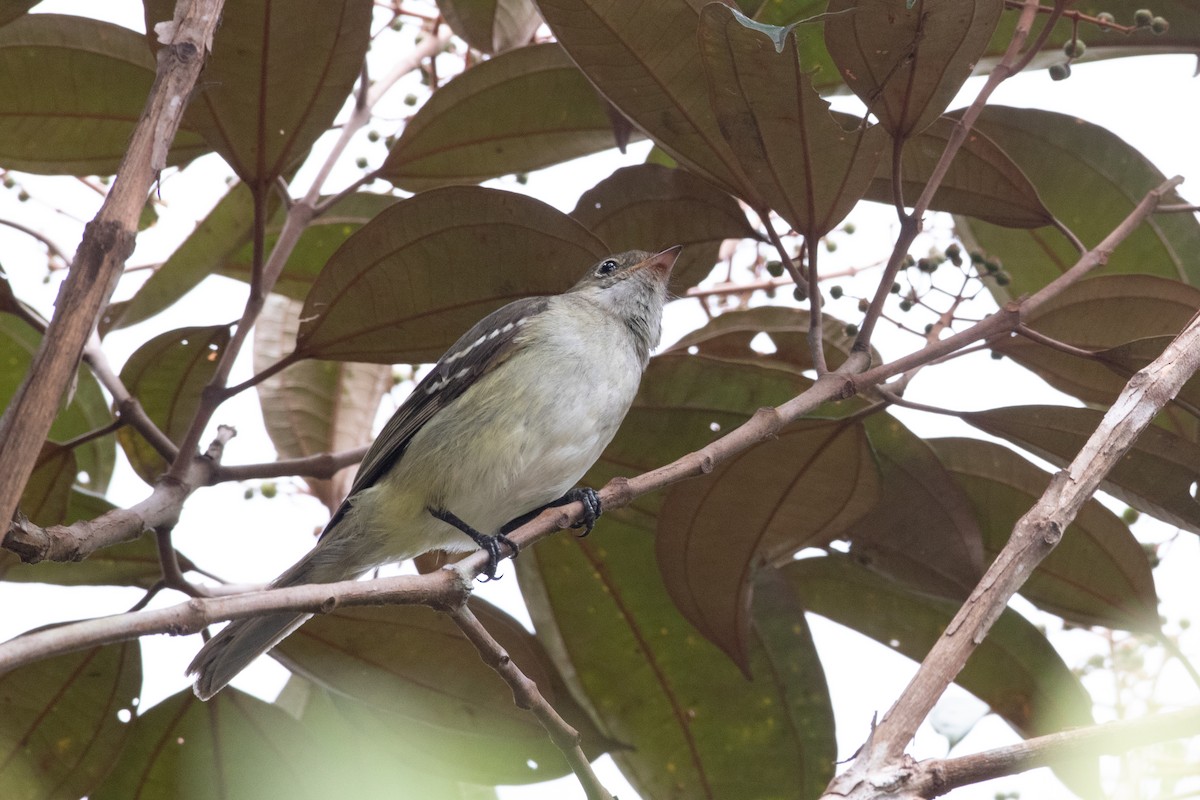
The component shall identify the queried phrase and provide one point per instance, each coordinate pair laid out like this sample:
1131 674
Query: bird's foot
489 543
591 507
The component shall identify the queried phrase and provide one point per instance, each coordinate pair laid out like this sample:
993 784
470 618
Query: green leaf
218 236
798 159
493 120
907 63
683 404
1158 475
48 492
318 242
982 182
1014 670
405 286
1127 321
231 746
801 489
923 531
314 406
491 26
655 79
275 79
728 337
651 207
695 726
1090 180
415 663
1097 575
59 726
86 411
368 752
167 375
72 90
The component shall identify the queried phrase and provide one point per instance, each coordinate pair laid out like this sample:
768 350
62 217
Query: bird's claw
492 545
591 507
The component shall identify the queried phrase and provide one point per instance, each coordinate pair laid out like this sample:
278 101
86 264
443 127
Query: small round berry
775 268
1143 17
905 305
1159 26
835 292
895 288
1060 72
1105 19
830 246
851 329
800 294
1074 48
849 228
863 305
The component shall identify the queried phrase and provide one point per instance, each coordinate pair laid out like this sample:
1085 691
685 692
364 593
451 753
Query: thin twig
54 249
321 465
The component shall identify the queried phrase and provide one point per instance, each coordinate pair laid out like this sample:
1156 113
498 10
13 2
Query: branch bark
107 242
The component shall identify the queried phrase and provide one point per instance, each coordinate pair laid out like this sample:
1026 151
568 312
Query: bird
505 425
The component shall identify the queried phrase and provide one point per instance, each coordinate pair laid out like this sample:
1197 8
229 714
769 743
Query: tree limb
107 242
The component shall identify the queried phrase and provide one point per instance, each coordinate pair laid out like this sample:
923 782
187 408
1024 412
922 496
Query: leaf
167 375
491 25
1127 320
72 90
1097 575
801 489
314 406
14 9
60 729
275 79
1014 670
1158 475
982 182
696 728
367 753
231 746
1182 417
220 234
48 491
406 285
729 337
1090 180
654 79
86 410
318 242
683 404
415 663
923 531
798 159
493 119
651 207
907 63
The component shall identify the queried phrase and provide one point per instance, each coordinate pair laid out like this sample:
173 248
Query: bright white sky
1151 103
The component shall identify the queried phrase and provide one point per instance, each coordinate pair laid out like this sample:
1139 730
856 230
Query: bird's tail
241 641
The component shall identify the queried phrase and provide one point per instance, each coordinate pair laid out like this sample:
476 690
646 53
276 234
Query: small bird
506 423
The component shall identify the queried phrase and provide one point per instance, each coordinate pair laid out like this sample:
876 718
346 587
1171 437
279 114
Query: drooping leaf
414 663
695 726
314 406
907 61
729 337
684 403
1126 320
1158 475
1014 670
493 119
798 159
982 182
275 79
72 90
319 240
492 25
167 375
651 207
407 284
48 492
225 230
801 489
1090 180
371 753
232 746
923 531
87 410
61 722
1097 575
654 77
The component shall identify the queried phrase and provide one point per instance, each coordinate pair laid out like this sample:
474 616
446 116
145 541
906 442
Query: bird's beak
662 262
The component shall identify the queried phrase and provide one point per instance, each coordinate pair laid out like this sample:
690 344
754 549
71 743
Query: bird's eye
606 267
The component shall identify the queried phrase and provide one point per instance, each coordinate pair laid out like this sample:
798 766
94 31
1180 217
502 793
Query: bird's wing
480 350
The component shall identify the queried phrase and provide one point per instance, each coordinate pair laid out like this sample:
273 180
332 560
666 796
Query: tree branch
107 242
879 763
